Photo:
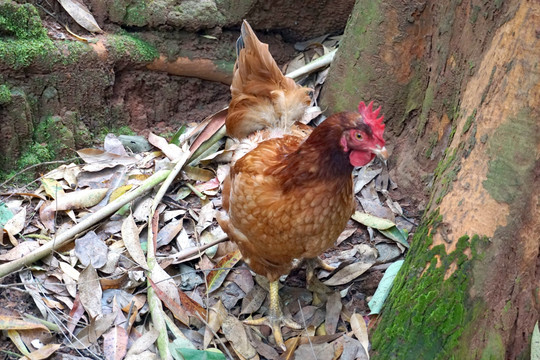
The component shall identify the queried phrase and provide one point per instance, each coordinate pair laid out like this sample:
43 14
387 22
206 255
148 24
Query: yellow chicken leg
275 319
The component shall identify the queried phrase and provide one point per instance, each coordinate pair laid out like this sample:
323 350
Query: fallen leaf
20 250
234 331
349 273
147 339
359 328
216 277
177 309
44 352
191 306
91 333
216 315
15 323
90 249
333 309
16 224
52 187
16 339
253 300
372 221
115 343
113 145
90 291
194 354
130 235
168 232
80 13
396 234
385 285
173 152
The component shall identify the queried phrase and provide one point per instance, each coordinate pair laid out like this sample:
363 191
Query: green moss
25 39
426 316
432 143
426 106
225 66
512 161
20 21
44 147
122 130
137 14
469 122
19 54
361 38
73 51
5 95
474 14
129 46
495 347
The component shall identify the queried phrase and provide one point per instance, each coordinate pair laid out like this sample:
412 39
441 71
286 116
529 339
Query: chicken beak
381 153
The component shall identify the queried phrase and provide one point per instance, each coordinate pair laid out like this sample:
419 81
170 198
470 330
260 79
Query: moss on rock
427 312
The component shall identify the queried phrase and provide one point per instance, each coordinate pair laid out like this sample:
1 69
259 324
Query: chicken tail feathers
262 97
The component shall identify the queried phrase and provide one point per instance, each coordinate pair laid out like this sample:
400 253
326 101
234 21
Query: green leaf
377 301
396 234
535 343
176 137
373 221
194 354
5 214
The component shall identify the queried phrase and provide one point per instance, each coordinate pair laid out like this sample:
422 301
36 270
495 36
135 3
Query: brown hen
289 193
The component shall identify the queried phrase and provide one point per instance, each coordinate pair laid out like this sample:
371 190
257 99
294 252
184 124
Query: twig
192 251
91 220
315 65
305 327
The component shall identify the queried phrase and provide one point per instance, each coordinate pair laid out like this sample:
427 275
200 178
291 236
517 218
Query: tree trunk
460 85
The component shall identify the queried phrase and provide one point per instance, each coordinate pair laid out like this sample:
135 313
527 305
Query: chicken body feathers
272 226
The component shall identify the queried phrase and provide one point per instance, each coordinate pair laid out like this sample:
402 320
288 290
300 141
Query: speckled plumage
273 220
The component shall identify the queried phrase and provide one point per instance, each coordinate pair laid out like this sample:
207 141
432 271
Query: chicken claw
275 319
314 263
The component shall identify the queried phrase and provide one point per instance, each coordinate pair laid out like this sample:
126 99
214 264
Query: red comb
370 118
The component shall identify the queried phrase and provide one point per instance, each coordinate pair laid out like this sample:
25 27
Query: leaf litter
160 278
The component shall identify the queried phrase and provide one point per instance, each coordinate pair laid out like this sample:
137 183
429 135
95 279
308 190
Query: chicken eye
358 136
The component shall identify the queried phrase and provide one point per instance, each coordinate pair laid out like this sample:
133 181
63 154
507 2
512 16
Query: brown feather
262 97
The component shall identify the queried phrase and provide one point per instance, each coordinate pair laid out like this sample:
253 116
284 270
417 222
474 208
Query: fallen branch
313 66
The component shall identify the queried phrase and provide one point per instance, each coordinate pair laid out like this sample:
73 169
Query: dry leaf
44 352
216 315
216 277
349 273
90 249
130 235
333 309
115 343
359 329
234 331
90 291
20 250
80 13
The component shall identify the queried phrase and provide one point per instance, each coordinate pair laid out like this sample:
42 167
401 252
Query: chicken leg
314 263
275 318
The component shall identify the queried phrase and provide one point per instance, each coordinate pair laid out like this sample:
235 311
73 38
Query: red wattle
360 158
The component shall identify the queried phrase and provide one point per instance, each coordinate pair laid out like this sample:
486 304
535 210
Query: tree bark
460 84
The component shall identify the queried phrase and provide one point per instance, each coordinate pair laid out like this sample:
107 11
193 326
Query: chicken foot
314 263
275 318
